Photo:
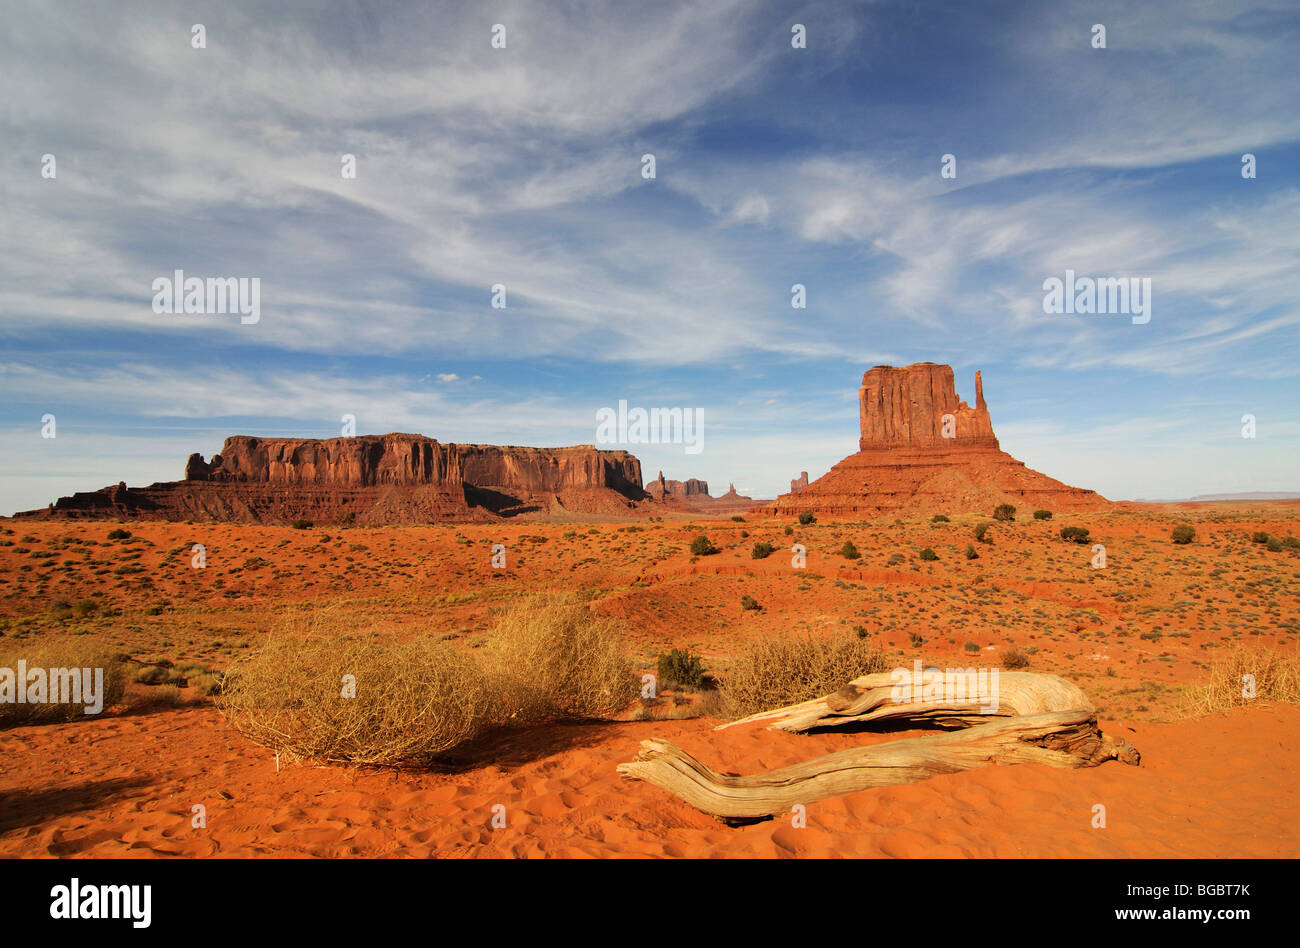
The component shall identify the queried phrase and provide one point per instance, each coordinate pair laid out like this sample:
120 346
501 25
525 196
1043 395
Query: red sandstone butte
923 450
373 480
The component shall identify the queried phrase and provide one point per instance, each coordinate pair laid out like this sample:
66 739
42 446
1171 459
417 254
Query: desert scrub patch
1014 658
701 546
682 668
1183 533
749 603
929 555
413 700
849 551
939 518
1075 534
552 658
806 517
1238 672
1004 512
762 550
774 671
1042 515
58 655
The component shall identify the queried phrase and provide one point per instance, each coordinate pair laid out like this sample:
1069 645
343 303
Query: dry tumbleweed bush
774 672
546 659
413 700
555 659
52 655
1276 677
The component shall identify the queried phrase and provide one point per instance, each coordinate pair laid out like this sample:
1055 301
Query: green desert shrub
1184 534
1259 536
806 517
701 546
682 668
929 555
762 550
1004 512
1042 515
849 551
749 603
939 518
301 524
982 533
119 534
970 552
1075 534
1274 545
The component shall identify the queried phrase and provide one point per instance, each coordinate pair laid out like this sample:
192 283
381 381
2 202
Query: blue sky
774 166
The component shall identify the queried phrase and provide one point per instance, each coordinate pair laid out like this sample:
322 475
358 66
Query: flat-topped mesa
409 460
373 480
916 406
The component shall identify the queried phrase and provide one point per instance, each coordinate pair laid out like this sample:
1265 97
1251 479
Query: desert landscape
947 553
549 433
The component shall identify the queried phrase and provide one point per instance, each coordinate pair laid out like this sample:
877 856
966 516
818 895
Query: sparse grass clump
749 603
1275 677
56 655
682 668
775 671
970 552
982 533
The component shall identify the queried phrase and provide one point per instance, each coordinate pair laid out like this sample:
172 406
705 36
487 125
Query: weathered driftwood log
1058 739
954 697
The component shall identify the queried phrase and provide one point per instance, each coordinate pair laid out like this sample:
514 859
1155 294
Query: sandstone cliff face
913 460
905 407
374 479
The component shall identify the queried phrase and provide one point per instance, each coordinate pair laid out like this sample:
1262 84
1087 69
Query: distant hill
1207 498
